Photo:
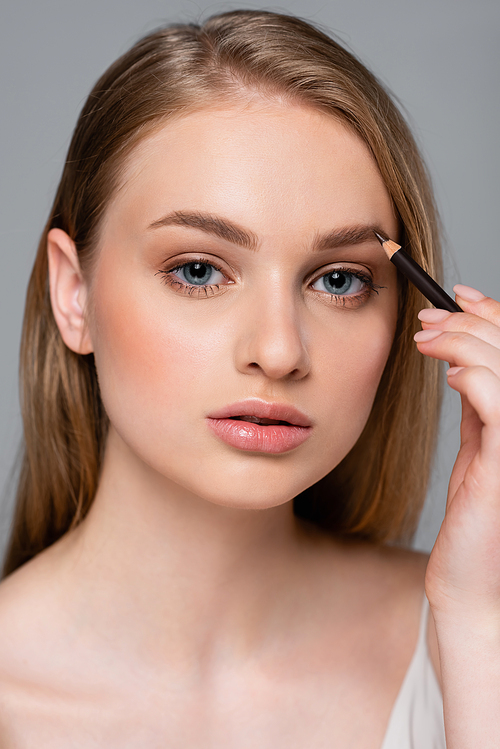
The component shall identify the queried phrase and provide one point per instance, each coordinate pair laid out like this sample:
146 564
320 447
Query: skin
462 578
193 607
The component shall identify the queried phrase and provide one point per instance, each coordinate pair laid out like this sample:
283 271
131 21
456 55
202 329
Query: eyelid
192 257
176 263
343 265
205 290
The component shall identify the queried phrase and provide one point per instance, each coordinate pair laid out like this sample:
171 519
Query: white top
416 720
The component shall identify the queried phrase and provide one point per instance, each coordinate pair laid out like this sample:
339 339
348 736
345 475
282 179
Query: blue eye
340 282
201 278
198 274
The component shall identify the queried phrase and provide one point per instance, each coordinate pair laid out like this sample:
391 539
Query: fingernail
433 315
426 335
453 371
468 293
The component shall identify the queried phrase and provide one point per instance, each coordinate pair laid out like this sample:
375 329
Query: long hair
378 490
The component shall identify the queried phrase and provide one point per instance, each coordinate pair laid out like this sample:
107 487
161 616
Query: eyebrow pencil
417 275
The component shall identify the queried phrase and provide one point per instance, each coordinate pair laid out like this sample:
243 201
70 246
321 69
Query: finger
461 322
481 387
470 423
470 443
472 300
459 349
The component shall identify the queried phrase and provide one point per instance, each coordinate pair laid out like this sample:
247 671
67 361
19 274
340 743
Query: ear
68 291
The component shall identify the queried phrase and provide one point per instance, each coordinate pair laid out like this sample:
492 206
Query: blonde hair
378 490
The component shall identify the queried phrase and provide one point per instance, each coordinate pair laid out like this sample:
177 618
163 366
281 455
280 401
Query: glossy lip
263 410
272 439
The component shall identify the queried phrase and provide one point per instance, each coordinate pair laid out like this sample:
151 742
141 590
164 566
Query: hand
463 573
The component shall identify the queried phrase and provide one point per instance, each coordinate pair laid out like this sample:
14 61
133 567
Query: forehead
271 166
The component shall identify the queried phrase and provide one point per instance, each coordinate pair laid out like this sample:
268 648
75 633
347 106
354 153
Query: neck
176 576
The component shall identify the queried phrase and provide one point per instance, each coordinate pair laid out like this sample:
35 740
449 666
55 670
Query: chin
258 492
253 500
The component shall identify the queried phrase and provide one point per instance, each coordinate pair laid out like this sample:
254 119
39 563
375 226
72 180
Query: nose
272 337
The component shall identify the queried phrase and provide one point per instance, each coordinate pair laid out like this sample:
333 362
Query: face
237 266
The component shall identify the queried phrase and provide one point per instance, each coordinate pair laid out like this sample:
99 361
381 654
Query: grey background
440 58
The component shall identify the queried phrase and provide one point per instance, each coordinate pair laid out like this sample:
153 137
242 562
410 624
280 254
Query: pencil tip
380 239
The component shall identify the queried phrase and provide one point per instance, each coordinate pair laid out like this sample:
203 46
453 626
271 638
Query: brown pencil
417 275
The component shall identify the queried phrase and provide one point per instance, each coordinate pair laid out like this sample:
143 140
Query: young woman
229 425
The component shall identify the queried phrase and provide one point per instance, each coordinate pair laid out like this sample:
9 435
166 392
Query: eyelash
351 300
189 289
344 300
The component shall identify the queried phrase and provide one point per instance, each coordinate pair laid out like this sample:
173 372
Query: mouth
261 421
260 435
263 413
259 426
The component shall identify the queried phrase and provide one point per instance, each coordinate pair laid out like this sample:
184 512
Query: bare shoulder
416 565
400 569
24 604
383 589
397 577
384 572
393 579
31 628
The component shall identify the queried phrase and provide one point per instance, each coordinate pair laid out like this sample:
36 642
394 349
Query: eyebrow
231 232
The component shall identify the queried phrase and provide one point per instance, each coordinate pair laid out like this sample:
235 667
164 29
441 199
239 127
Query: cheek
365 358
147 362
351 375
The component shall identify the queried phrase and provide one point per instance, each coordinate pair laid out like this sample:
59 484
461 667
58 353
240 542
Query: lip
264 438
263 410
